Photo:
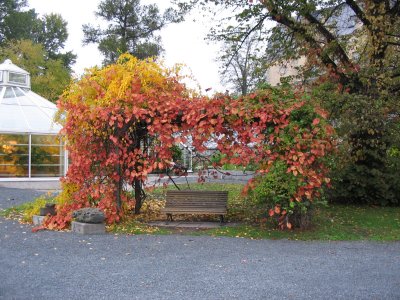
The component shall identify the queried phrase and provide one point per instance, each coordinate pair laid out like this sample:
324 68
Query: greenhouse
30 147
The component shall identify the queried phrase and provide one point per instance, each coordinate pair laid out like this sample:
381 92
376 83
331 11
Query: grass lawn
335 222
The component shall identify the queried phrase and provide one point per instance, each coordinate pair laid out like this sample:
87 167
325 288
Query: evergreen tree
132 28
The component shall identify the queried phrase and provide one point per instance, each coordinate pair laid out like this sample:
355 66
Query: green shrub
177 153
366 169
275 190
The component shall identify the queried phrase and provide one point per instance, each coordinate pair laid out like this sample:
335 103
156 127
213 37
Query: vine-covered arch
121 122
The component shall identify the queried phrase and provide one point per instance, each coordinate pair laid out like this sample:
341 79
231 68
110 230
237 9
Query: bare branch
330 39
359 13
248 33
301 30
332 12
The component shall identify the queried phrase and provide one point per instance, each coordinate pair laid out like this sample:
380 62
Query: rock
89 215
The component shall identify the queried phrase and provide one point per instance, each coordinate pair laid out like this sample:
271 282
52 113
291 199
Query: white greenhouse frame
26 116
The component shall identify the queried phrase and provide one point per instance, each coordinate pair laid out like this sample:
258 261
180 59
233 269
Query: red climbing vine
121 121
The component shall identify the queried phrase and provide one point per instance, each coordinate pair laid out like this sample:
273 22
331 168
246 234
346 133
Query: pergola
30 144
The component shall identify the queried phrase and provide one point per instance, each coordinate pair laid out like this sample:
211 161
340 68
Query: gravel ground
64 265
15 196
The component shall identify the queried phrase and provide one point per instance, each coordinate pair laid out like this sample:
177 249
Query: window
17 78
47 156
1 76
14 155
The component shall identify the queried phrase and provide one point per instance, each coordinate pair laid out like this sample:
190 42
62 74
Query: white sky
183 42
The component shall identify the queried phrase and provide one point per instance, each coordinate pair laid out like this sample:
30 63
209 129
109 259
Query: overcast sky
183 43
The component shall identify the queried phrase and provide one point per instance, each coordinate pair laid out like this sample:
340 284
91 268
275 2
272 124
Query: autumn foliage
121 122
266 128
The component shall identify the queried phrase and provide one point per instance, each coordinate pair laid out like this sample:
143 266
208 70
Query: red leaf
316 121
38 228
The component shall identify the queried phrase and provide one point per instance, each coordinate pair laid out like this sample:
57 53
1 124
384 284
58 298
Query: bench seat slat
197 207
194 211
174 202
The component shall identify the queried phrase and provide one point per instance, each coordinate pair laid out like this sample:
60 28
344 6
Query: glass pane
47 156
24 100
46 171
17 78
50 112
19 159
10 101
14 152
45 140
9 93
18 92
14 139
37 118
40 101
13 171
11 119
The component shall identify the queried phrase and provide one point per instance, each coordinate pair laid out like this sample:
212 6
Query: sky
183 42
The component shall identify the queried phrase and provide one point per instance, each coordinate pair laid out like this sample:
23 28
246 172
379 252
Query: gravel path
13 197
63 265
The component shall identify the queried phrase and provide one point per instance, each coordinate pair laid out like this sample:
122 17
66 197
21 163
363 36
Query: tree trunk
137 183
119 189
138 195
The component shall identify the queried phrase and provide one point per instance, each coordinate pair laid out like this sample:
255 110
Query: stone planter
88 228
88 221
38 220
50 208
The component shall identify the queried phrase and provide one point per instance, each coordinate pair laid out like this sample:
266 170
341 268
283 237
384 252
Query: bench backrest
200 199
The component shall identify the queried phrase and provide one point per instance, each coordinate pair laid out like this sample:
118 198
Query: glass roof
21 110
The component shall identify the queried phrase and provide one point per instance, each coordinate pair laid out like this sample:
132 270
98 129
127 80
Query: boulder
89 215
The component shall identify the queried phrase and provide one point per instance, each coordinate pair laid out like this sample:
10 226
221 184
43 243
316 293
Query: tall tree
328 32
353 44
8 7
19 23
36 44
132 28
242 69
52 34
16 24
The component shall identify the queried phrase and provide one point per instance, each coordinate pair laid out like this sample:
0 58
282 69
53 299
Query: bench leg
221 219
169 217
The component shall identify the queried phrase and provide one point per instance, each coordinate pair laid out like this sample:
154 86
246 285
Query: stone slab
194 225
38 220
50 185
88 228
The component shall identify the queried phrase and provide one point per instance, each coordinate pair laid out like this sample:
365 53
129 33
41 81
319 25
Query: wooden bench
196 202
